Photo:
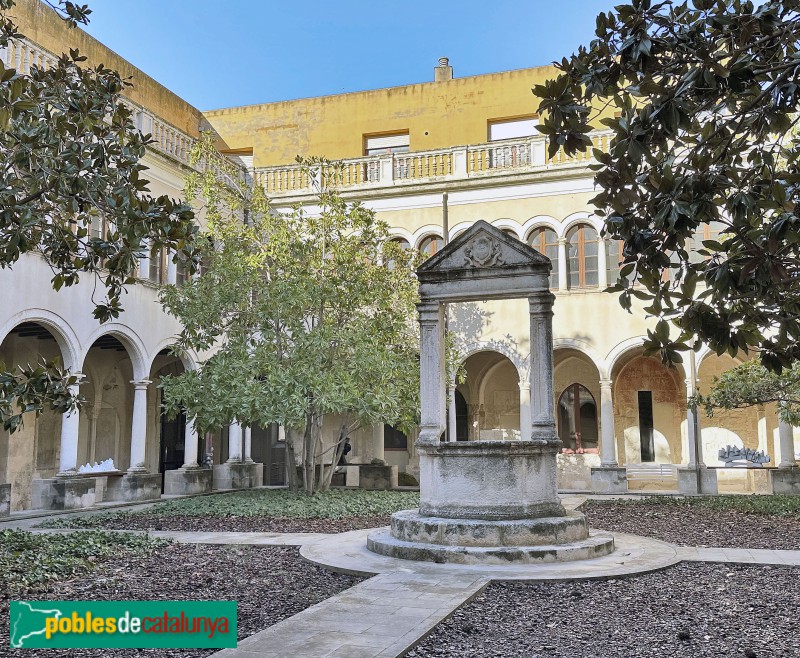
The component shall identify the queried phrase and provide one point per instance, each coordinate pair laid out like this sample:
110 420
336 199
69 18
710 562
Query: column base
187 481
5 500
689 484
237 475
785 480
377 478
609 479
135 486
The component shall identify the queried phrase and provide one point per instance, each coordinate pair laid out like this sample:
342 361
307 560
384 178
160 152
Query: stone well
489 502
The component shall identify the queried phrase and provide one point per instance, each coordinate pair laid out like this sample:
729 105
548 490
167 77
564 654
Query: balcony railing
461 162
23 54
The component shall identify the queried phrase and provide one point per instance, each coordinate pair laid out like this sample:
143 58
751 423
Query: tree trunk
337 455
291 460
309 448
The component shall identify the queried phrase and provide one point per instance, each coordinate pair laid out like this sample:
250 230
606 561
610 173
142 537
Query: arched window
510 231
577 420
545 241
403 244
431 245
582 242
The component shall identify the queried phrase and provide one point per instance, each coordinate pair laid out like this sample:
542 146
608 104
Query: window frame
580 228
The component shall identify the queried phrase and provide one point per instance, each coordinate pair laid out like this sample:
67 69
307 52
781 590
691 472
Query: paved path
382 617
740 556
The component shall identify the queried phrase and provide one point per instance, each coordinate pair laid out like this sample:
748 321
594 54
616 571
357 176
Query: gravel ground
696 526
269 583
688 611
236 523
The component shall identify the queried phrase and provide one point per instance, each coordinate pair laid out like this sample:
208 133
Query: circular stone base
411 526
596 545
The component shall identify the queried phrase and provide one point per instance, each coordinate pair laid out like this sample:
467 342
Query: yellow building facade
430 159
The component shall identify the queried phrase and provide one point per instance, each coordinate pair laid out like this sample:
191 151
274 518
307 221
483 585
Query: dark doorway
462 418
646 426
173 437
266 448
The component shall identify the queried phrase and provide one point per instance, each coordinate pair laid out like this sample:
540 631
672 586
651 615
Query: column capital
429 311
562 240
605 383
525 384
141 384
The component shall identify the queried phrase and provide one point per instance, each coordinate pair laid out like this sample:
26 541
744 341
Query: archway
490 393
33 451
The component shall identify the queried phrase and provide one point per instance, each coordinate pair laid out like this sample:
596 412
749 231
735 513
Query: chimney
444 71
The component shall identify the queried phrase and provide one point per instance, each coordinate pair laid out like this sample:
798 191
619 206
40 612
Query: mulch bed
696 526
192 523
269 583
688 611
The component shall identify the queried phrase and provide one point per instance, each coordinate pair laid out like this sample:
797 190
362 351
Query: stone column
248 444
234 442
524 409
693 433
786 438
562 264
190 446
608 441
451 412
70 425
377 441
139 426
695 478
432 372
602 265
543 422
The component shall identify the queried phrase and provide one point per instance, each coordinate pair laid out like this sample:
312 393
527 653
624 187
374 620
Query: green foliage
702 99
71 157
30 561
332 504
750 384
775 505
309 314
34 388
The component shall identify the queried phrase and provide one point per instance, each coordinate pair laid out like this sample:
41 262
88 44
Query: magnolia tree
71 156
306 314
750 384
701 99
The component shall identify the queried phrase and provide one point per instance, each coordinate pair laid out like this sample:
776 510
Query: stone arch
584 348
541 221
491 391
59 328
425 232
131 341
188 358
505 223
519 362
397 232
582 217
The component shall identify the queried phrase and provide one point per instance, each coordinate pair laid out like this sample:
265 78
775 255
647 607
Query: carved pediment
483 246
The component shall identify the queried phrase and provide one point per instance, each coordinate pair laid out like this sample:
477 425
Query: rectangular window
513 128
646 426
383 144
156 266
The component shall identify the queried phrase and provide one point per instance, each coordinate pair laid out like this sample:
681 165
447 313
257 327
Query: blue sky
240 52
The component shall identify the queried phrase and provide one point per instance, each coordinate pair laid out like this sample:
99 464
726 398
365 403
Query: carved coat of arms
483 251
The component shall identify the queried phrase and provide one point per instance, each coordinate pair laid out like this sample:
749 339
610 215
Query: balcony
22 54
407 169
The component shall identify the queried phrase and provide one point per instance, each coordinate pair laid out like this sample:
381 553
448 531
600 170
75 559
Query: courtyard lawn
770 522
270 583
259 510
687 611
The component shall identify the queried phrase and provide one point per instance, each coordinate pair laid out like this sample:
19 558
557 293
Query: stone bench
667 473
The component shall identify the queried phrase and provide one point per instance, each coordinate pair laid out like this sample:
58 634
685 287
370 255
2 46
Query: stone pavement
384 616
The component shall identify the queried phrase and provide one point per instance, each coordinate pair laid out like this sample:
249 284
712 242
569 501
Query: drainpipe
448 434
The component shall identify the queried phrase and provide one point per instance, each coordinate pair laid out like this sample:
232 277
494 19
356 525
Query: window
582 242
383 144
703 232
394 439
431 245
577 420
513 128
545 241
403 244
613 260
181 271
156 267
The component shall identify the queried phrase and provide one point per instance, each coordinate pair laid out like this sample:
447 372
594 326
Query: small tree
702 99
71 157
307 315
750 384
